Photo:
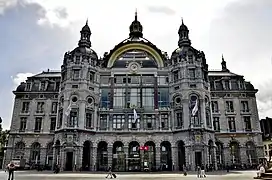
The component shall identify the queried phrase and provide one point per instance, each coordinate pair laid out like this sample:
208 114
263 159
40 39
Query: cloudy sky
34 35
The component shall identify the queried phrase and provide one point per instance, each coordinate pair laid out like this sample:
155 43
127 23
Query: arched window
208 112
19 150
194 109
251 153
234 152
35 153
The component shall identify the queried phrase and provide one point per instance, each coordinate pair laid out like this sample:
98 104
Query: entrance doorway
198 158
69 161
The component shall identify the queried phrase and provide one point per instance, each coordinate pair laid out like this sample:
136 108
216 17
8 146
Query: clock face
134 67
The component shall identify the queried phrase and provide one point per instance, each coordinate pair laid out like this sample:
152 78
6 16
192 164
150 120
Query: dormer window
77 59
42 87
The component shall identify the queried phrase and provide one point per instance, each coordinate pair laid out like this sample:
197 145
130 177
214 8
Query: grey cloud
161 9
61 12
5 4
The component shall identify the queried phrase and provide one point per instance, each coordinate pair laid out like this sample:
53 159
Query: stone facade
135 109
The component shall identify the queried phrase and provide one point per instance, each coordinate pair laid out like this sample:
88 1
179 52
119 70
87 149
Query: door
198 158
69 161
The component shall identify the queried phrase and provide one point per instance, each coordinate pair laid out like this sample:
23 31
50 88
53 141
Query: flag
135 116
195 109
68 110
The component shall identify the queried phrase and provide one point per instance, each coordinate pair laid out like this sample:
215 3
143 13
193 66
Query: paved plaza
32 175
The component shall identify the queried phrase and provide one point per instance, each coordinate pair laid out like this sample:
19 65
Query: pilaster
94 155
110 156
174 150
158 157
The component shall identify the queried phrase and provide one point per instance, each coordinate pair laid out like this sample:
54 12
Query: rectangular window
163 97
91 76
227 85
133 98
164 121
245 107
247 122
89 119
118 122
40 107
216 123
229 106
42 87
191 73
132 123
23 124
105 98
149 120
72 121
28 86
190 59
179 119
25 107
148 98
77 60
119 98
215 108
103 121
60 118
53 124
231 122
54 107
175 76
38 124
76 74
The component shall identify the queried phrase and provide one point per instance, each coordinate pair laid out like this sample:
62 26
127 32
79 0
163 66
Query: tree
3 139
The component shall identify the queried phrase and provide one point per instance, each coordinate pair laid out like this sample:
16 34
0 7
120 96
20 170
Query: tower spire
183 35
136 14
224 64
136 29
85 35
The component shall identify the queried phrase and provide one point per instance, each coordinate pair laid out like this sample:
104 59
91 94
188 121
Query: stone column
94 155
27 154
79 156
126 155
62 159
43 156
189 153
109 155
158 156
227 156
174 150
54 158
243 155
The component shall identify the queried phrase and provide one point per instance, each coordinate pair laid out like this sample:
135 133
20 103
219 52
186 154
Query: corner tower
190 94
78 99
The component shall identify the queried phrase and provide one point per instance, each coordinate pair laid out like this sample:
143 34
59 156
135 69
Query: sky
35 34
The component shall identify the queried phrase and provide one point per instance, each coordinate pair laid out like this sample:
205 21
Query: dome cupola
136 29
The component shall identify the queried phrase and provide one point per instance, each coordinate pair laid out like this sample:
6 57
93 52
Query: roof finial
182 20
136 14
87 21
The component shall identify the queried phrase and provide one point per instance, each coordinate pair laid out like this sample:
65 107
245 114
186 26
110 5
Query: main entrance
198 158
69 161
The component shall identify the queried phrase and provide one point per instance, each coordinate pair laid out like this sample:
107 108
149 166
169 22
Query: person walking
198 171
11 169
203 174
109 172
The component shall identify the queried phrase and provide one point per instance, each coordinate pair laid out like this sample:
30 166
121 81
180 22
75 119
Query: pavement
48 175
